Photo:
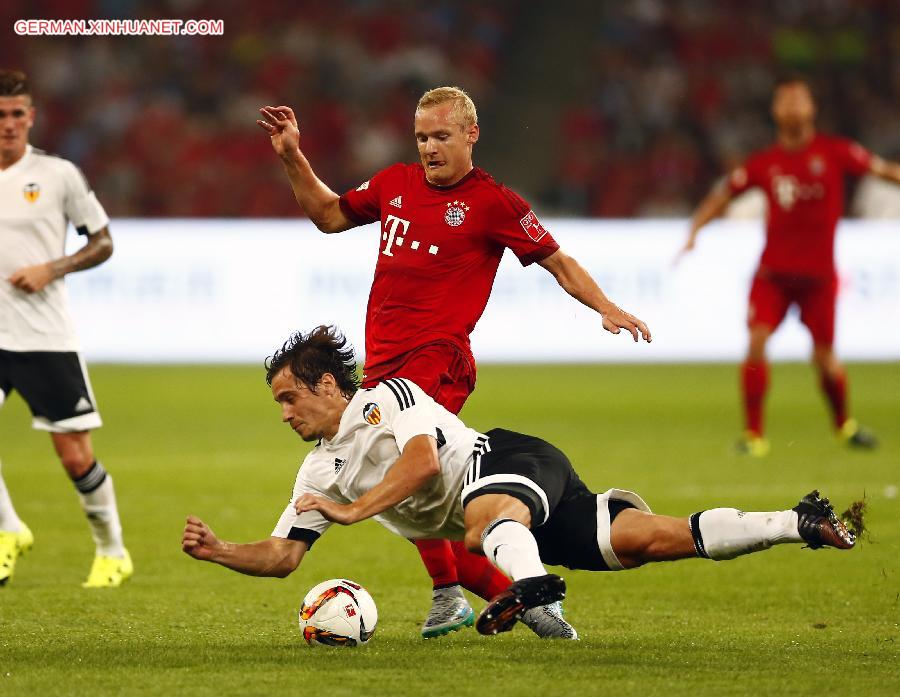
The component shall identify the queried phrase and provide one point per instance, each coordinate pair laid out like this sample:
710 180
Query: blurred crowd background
603 108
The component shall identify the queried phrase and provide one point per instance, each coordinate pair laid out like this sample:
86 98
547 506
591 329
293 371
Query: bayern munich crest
372 414
456 213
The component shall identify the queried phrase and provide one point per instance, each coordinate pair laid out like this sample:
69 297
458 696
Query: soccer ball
338 612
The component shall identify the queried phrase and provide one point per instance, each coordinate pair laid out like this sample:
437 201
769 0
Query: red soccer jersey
439 253
805 192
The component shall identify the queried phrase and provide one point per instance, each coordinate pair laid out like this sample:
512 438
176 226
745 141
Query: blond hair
463 106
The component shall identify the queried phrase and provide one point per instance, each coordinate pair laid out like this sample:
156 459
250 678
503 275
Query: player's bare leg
833 381
754 385
112 563
499 526
639 538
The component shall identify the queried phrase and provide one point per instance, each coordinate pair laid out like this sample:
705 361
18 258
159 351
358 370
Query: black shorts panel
533 459
569 538
52 383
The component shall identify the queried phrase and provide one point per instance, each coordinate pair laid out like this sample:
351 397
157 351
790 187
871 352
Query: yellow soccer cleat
109 572
12 546
753 445
856 436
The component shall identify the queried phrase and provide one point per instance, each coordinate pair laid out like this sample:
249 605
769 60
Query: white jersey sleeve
408 411
80 205
307 526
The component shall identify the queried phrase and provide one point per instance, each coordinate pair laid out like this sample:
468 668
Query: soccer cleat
856 436
109 572
508 606
752 445
819 526
450 612
12 546
547 622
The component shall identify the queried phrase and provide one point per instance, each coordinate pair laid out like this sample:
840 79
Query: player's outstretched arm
885 169
272 557
417 464
319 202
710 208
578 283
33 279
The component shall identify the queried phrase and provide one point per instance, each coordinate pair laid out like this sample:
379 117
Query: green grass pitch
208 441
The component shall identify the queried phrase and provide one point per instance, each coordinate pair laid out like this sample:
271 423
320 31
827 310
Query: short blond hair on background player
464 107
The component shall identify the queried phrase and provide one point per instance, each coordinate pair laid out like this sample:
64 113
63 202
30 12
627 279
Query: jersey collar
18 164
435 187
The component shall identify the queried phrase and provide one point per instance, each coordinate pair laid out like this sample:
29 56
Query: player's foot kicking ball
856 436
819 526
450 612
502 612
12 546
752 445
547 622
109 572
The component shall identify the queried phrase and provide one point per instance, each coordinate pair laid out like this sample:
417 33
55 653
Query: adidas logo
338 464
83 405
397 202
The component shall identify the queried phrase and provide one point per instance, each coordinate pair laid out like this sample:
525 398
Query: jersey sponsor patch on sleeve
532 226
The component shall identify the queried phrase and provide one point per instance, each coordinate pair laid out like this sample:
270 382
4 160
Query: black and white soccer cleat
507 607
819 526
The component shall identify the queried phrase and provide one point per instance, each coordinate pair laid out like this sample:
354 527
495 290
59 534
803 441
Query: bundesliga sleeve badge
456 213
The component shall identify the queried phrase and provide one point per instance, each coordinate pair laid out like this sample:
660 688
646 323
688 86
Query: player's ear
329 383
472 135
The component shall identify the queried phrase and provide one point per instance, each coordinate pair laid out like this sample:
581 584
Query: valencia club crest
372 413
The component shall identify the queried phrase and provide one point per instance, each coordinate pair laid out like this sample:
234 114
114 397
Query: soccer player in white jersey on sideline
39 354
392 453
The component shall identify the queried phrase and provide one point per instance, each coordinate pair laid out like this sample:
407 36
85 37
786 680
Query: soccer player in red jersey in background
444 226
802 175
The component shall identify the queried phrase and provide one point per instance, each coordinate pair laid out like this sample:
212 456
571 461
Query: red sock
755 382
835 389
437 555
477 574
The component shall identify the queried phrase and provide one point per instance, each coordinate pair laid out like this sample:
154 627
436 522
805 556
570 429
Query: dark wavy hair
323 350
13 83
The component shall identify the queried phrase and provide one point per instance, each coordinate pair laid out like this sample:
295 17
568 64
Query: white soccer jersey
39 196
374 429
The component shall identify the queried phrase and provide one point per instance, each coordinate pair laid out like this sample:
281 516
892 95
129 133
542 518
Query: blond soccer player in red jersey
802 176
444 227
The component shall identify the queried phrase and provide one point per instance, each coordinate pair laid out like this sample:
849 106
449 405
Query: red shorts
441 370
772 294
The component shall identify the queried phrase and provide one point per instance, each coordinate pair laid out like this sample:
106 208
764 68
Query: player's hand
281 125
342 514
33 279
198 540
615 319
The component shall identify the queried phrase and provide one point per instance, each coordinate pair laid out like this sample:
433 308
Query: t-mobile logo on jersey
391 237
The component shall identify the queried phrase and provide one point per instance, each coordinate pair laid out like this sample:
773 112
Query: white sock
726 533
511 547
98 500
9 521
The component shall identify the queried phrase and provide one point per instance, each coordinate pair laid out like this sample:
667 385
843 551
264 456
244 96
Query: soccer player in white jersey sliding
39 196
392 453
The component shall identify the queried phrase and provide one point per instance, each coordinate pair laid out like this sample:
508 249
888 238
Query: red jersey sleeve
516 226
363 204
854 158
744 177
